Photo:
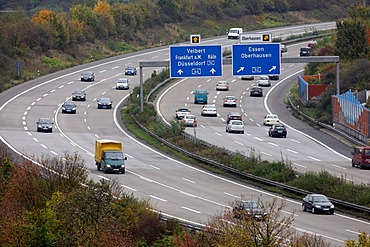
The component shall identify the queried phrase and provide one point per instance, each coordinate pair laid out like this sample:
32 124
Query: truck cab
200 96
361 157
234 33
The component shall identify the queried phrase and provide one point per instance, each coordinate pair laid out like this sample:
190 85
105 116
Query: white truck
234 33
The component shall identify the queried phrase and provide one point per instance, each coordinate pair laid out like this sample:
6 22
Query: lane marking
192 210
158 198
313 158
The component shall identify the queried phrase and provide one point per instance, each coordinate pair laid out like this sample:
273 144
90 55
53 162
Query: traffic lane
277 95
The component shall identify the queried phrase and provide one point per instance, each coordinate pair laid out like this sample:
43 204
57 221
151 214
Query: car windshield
252 205
190 117
237 123
233 31
264 78
209 106
320 199
279 127
182 110
230 98
131 68
104 100
78 92
87 73
122 80
272 116
200 92
44 121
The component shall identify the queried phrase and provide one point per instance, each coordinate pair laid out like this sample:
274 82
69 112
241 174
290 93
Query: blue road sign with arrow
256 59
195 61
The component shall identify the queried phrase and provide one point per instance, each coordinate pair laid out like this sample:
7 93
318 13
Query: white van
234 33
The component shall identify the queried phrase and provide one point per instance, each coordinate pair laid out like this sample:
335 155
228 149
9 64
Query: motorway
173 187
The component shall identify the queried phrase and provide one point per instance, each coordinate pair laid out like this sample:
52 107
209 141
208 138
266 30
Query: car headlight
109 103
39 126
99 103
332 206
74 108
108 165
50 127
317 206
63 108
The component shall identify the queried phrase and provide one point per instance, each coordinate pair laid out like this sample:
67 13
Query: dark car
105 103
305 52
317 203
278 130
256 91
88 76
79 95
130 71
274 77
250 210
233 116
44 125
69 107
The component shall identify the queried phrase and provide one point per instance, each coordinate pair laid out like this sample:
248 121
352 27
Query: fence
309 92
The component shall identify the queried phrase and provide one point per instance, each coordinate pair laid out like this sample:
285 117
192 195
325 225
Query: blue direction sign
195 61
256 59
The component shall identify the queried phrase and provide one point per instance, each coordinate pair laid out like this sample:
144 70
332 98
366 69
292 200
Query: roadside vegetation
352 44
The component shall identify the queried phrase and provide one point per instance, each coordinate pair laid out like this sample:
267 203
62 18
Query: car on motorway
181 112
233 116
249 209
274 77
222 86
131 70
88 76
247 77
44 125
105 103
123 83
256 91
361 157
271 119
69 107
305 52
190 120
229 101
278 130
79 95
209 110
283 48
317 203
264 81
236 126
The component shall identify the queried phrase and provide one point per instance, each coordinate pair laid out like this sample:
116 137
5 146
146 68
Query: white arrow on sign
240 70
180 71
212 71
273 68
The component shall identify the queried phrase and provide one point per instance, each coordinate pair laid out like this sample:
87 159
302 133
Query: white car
235 126
271 119
123 83
222 85
264 81
190 120
209 110
181 112
229 101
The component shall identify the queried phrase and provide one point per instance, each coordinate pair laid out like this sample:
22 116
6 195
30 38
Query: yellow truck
109 156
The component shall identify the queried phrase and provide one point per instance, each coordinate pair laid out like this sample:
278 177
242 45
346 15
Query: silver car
190 120
229 101
209 110
88 76
264 81
123 83
236 126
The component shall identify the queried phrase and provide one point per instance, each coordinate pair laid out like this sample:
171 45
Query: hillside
45 36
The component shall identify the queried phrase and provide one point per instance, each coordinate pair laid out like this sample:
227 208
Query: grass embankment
279 171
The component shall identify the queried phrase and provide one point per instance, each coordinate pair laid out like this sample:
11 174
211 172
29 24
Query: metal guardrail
343 204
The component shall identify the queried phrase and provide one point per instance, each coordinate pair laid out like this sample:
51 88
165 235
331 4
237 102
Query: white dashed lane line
313 158
292 151
300 165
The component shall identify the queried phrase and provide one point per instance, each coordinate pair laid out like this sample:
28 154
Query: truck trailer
109 156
